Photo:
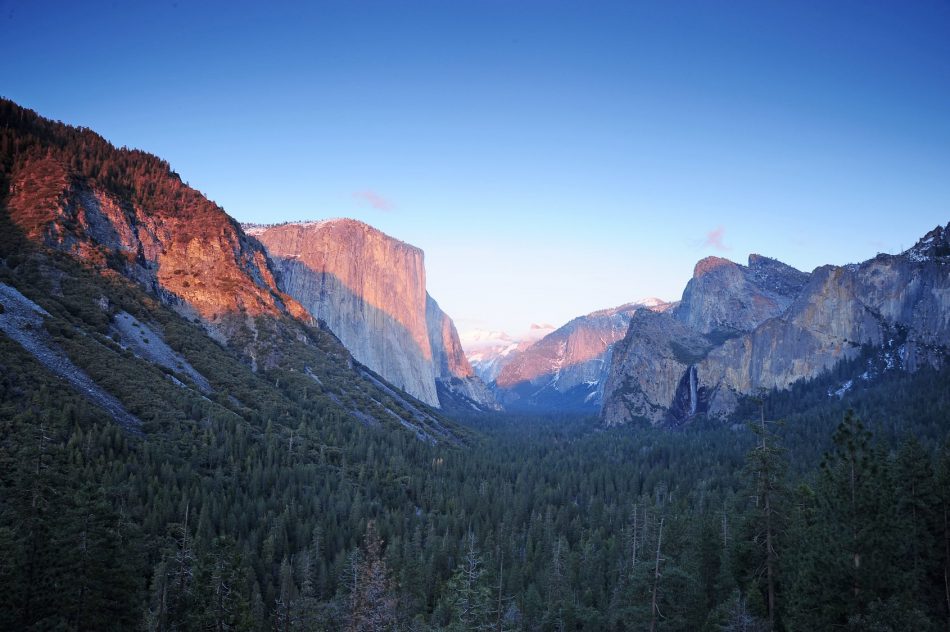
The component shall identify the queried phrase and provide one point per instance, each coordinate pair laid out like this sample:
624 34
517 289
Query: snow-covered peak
487 341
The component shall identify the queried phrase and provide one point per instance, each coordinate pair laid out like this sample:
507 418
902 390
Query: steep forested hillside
168 470
284 514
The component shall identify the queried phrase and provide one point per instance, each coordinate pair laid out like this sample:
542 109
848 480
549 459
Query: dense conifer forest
261 508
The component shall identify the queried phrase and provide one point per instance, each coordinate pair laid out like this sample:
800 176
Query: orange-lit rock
370 290
567 368
179 244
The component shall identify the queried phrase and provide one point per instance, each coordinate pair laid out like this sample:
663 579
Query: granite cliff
455 380
370 290
567 368
739 329
72 206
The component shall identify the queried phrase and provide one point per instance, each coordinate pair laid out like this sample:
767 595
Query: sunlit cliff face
177 243
570 362
370 290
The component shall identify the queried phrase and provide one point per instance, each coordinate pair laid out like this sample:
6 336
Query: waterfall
692 391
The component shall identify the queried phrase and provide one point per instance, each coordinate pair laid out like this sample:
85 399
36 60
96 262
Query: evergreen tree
943 529
766 469
469 592
848 550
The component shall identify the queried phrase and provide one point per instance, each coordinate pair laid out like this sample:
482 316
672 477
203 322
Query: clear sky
551 158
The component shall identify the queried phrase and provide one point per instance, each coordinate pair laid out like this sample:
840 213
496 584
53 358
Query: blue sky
551 158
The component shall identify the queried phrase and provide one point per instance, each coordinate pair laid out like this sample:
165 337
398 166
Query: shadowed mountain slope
740 329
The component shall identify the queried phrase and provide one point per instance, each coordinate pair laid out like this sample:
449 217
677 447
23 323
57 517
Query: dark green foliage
249 508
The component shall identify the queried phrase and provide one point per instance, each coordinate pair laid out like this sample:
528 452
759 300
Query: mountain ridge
567 367
738 330
72 199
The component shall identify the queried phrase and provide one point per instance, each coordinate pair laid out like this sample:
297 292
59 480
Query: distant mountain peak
739 329
934 244
709 264
566 368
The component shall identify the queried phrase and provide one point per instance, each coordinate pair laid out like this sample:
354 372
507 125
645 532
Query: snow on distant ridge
481 340
252 228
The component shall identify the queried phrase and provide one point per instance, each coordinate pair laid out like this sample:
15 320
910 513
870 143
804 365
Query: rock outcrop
138 218
567 368
456 382
370 290
724 298
740 329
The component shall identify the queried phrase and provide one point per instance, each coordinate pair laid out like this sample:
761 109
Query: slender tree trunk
946 561
184 553
163 601
854 534
769 562
83 547
633 552
725 529
656 578
219 612
769 549
501 575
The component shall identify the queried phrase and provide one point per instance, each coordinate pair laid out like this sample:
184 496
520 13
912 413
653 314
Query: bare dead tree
656 577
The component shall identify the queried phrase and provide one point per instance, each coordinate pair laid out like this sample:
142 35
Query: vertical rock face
567 367
455 378
650 367
724 298
447 351
370 291
367 287
779 326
